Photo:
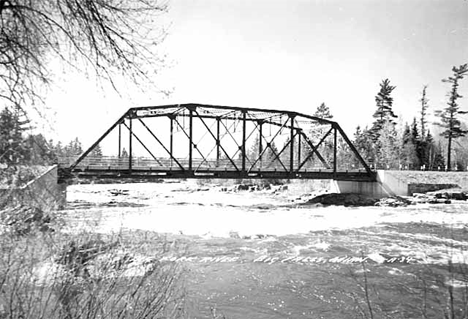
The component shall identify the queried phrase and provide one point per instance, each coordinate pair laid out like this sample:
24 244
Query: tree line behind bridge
386 144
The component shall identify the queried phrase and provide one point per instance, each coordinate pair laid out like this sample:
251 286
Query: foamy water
190 209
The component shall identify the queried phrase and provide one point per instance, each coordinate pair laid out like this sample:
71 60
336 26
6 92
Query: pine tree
40 151
424 106
269 153
409 140
364 145
58 149
449 117
73 148
384 112
419 145
285 156
438 159
414 131
428 160
96 152
13 151
318 131
323 112
387 152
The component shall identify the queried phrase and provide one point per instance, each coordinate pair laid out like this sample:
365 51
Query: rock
455 195
243 187
439 201
441 195
346 199
395 201
458 196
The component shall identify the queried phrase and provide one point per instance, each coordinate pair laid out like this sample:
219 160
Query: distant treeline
386 144
18 147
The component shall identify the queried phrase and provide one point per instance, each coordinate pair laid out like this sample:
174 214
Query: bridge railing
178 164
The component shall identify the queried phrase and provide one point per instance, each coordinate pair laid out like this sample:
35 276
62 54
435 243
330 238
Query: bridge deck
145 168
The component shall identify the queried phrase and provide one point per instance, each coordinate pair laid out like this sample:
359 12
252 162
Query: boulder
345 199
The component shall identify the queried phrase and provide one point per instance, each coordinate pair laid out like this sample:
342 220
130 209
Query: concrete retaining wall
43 192
404 183
386 185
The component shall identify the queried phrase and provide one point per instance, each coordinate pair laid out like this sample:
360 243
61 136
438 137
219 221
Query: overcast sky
291 55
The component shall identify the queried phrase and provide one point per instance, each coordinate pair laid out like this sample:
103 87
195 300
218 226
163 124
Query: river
264 254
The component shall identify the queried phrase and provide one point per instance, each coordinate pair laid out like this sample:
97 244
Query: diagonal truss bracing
195 140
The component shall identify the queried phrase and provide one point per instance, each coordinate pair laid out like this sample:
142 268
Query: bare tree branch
111 37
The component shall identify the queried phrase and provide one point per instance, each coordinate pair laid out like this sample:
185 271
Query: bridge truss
206 141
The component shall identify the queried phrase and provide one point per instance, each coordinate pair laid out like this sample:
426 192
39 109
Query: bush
90 276
23 220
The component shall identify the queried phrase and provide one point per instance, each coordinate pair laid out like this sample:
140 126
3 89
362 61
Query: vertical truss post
244 142
291 150
130 155
299 150
190 139
260 143
171 138
120 141
335 147
218 151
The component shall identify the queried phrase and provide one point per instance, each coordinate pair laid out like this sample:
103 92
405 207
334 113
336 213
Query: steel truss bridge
206 141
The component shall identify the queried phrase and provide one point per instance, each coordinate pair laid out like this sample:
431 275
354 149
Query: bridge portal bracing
206 141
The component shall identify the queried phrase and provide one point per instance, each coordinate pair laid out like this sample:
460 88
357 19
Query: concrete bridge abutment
43 192
385 186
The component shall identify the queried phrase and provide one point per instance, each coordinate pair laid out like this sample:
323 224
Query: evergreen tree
285 156
424 106
438 158
387 152
271 154
433 158
414 131
323 112
384 113
73 148
419 146
13 151
96 152
268 158
425 144
364 145
409 140
449 117
40 151
383 133
58 149
318 131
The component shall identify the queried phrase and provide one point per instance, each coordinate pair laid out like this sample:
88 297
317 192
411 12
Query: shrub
89 276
